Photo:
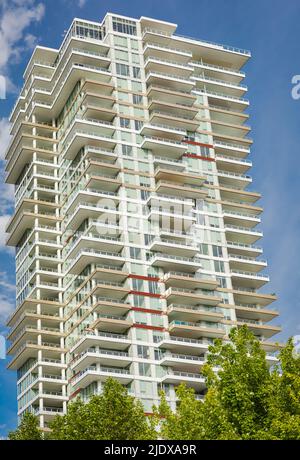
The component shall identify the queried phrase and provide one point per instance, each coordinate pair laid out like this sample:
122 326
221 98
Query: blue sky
270 29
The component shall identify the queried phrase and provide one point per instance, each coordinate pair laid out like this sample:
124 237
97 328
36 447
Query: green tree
28 429
244 400
113 415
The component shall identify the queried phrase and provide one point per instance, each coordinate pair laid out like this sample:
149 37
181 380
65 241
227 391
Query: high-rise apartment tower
134 228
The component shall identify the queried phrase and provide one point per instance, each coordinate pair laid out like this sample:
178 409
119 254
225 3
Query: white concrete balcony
171 100
92 374
26 219
101 153
109 273
250 296
29 349
249 250
237 194
209 83
177 189
47 307
101 339
28 320
162 145
93 196
194 313
240 219
111 306
196 330
182 362
258 327
227 178
29 333
165 52
169 219
49 412
161 65
174 118
231 102
232 151
227 74
86 137
174 175
223 128
95 241
255 312
248 279
169 201
111 290
187 281
232 164
89 210
185 345
169 262
92 356
245 263
196 381
244 235
240 207
169 246
191 297
169 78
92 256
112 323
162 130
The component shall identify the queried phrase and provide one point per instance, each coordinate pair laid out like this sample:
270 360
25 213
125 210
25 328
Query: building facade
134 229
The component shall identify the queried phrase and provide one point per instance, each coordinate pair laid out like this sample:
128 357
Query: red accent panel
147 310
193 155
145 326
198 143
145 278
75 393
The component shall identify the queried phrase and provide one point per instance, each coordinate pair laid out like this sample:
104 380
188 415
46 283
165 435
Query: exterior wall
134 228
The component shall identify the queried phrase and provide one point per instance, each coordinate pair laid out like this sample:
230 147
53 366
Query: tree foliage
28 429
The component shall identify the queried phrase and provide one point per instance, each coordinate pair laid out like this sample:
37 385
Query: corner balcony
238 195
196 381
254 312
93 196
92 356
174 188
112 323
196 330
248 279
227 178
232 164
82 138
161 51
182 362
97 167
247 250
98 106
49 412
169 262
109 273
94 374
224 128
244 263
179 248
105 155
92 256
89 210
217 85
160 65
30 333
177 312
232 151
101 339
191 297
30 348
228 74
258 327
96 242
222 99
172 101
29 304
185 345
169 201
28 320
165 130
243 235
163 145
236 208
242 219
250 296
184 280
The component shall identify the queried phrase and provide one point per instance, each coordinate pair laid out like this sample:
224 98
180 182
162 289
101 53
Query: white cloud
4 136
81 3
15 17
7 293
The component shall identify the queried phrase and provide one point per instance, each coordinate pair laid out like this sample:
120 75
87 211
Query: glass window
122 69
